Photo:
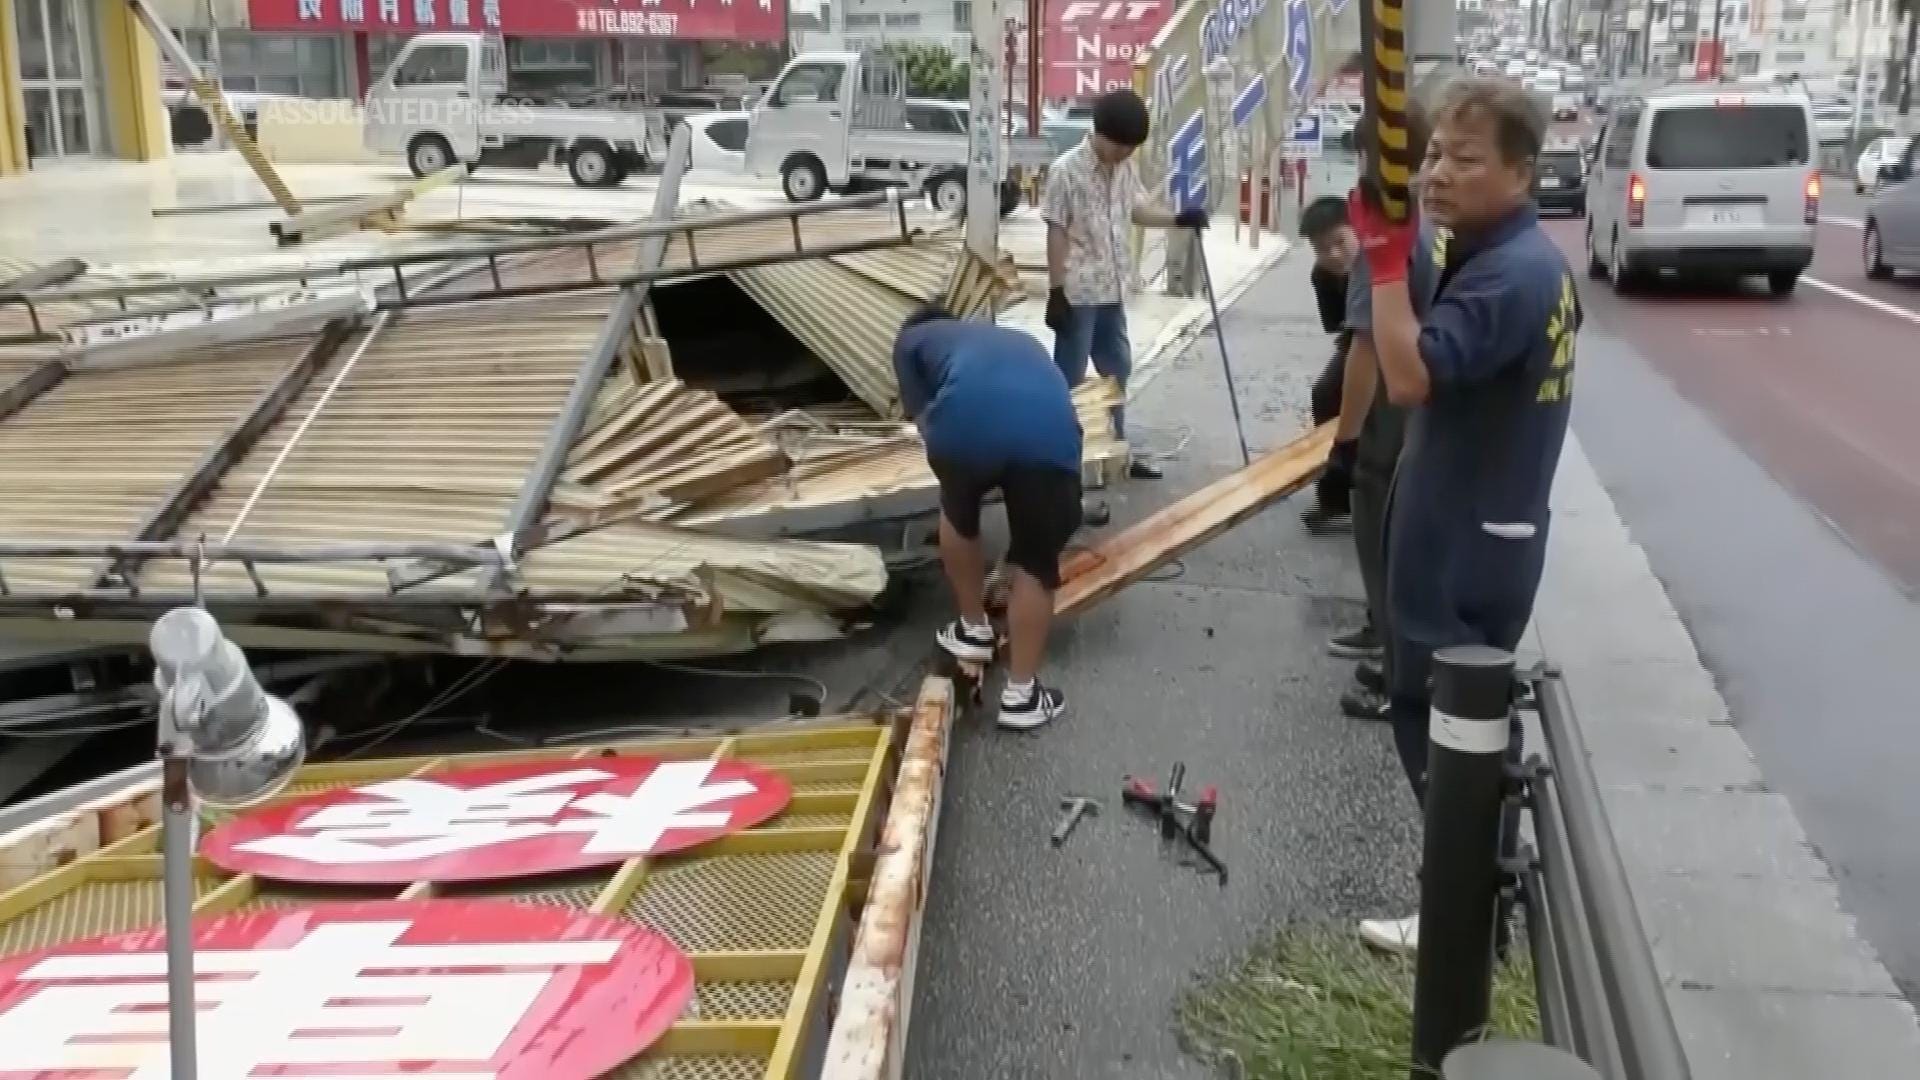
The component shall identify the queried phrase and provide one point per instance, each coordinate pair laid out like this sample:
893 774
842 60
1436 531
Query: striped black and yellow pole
1389 160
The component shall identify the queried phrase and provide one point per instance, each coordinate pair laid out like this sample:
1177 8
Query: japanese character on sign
353 11
423 13
390 11
490 11
309 9
458 13
500 821
443 988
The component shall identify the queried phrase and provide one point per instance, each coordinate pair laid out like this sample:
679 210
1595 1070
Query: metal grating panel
760 908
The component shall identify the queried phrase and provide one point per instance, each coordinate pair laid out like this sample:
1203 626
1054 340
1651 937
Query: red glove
1388 247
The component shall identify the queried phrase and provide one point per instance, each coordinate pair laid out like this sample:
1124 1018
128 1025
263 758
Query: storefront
78 79
552 47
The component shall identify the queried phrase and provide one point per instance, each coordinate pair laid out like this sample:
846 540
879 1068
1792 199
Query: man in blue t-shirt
995 413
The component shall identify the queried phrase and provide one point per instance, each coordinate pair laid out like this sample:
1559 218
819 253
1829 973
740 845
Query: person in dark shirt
995 413
1486 374
1324 225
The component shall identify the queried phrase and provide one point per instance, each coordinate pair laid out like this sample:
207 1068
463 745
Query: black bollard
1469 733
1500 1060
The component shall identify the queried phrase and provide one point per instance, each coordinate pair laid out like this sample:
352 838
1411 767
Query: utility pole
1646 36
1906 59
1719 50
986 98
1859 72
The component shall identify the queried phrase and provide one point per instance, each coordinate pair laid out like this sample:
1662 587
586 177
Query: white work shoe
1392 935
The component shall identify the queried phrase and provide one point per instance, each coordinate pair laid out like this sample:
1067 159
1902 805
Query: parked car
719 140
1875 159
1715 179
1891 240
1566 106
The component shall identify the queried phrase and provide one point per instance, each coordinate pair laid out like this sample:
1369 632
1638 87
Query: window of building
962 14
900 19
293 65
1789 56
859 20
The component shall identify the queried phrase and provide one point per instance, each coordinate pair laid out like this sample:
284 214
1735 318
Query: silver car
1891 240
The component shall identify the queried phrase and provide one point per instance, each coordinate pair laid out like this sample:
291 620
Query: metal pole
1648 1038
176 882
986 90
1646 36
1470 731
1719 56
1859 74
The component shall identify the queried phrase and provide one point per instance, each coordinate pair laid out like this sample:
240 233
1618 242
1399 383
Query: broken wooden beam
1093 574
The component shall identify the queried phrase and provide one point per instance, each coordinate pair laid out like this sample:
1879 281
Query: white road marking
1860 298
1851 223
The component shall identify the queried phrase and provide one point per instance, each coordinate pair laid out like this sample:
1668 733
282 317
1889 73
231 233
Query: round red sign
453 989
499 821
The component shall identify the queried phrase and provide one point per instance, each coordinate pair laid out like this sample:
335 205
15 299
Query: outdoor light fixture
225 740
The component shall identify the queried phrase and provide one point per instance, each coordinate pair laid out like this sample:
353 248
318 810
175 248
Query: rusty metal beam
869 1036
1091 576
174 508
531 503
30 386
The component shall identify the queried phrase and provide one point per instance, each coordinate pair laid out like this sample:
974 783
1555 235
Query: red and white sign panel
713 20
453 990
1088 46
499 821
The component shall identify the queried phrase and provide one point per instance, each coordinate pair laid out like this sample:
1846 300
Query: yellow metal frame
765 915
13 107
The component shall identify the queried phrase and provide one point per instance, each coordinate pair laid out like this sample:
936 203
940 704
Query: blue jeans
1097 332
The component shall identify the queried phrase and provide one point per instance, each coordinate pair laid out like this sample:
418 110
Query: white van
1693 178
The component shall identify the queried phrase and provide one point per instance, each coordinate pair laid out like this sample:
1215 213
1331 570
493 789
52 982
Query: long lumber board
1092 575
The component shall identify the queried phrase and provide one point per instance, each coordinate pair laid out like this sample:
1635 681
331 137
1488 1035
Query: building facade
78 78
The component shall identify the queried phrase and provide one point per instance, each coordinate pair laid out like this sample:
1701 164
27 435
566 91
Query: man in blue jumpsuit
996 414
1486 372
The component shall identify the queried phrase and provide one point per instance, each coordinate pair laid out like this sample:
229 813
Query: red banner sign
714 20
440 988
1089 46
498 821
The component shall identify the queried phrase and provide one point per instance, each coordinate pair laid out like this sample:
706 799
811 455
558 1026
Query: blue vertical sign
1187 164
1299 53
1249 100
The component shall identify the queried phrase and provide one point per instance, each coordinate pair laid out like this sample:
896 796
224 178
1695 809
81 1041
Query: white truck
837 121
445 100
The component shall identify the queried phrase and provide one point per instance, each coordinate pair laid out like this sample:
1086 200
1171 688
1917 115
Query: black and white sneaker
1359 703
1024 712
1370 675
1324 521
1361 644
974 644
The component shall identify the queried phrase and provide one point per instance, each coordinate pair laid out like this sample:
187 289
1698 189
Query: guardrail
1603 1011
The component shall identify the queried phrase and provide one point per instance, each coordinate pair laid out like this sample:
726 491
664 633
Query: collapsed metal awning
633 515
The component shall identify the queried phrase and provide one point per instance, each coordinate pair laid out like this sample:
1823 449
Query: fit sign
500 821
453 990
1090 46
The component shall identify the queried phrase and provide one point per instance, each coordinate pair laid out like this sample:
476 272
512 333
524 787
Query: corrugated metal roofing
91 457
661 440
846 319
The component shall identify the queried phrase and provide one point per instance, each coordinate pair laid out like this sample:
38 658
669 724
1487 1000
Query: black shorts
1043 510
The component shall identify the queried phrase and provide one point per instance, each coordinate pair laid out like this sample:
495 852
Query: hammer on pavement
1073 807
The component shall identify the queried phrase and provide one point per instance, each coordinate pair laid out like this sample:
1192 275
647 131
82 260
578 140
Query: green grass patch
1315 1003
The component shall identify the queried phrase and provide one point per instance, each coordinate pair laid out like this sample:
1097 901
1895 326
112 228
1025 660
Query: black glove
1341 459
1059 312
1191 218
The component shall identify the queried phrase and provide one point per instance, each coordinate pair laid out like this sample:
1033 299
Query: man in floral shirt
1093 199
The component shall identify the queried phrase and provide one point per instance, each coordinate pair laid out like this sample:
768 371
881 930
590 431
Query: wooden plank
1092 575
57 840
31 385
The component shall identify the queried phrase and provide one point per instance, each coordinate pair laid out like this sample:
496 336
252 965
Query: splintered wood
1092 575
662 440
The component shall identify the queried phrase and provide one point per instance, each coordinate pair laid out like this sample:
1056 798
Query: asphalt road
1767 455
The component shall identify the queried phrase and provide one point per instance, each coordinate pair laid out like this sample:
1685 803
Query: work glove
1191 218
1388 247
1059 312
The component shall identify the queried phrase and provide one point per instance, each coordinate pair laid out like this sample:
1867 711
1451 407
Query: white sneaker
1024 713
1392 935
974 644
